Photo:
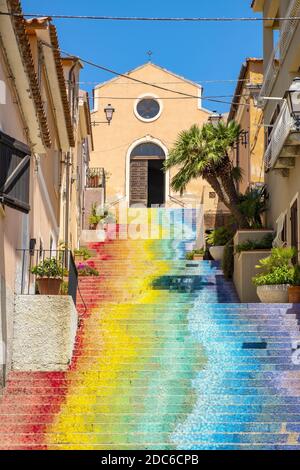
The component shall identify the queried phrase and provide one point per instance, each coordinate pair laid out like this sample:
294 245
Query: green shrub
83 252
220 236
252 245
190 254
296 278
279 257
276 268
228 260
279 275
49 267
64 288
85 269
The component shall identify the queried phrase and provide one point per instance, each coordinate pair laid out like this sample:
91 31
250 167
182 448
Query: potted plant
195 255
49 273
277 274
217 240
94 217
255 245
87 269
94 178
294 289
82 254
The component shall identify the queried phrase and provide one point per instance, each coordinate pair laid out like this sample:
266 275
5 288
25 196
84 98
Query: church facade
146 123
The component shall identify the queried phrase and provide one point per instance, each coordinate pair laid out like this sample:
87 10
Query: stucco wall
245 262
113 142
44 332
6 328
282 190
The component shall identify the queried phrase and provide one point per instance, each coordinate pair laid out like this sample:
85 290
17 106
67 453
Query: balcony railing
62 267
283 126
286 33
95 178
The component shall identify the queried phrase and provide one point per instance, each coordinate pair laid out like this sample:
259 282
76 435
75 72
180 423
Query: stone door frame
146 139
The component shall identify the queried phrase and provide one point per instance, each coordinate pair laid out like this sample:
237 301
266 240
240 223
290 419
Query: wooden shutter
14 173
139 182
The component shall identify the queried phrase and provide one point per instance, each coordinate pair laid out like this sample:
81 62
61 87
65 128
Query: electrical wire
165 97
128 77
176 83
144 18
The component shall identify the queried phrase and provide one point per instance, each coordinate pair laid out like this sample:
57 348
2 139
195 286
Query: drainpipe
68 164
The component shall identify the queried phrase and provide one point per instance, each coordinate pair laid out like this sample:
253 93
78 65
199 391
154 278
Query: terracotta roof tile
62 85
25 50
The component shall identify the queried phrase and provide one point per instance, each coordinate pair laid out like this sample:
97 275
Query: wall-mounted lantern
293 100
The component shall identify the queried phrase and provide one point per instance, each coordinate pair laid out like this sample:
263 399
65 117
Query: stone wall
6 329
44 332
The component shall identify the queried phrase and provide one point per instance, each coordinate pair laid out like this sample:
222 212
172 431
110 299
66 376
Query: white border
150 96
147 138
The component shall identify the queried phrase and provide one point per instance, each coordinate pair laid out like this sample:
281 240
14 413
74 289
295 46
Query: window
148 109
148 149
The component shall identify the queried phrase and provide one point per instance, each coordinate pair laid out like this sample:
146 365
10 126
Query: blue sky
198 51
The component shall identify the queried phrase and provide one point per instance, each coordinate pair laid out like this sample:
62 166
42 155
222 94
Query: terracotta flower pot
198 258
294 294
49 286
274 294
93 226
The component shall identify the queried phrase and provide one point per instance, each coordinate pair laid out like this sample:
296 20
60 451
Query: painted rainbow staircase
165 358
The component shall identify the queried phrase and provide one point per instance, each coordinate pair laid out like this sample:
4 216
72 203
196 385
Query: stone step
146 438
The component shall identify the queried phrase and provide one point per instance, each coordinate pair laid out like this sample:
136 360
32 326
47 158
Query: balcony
95 178
284 142
286 34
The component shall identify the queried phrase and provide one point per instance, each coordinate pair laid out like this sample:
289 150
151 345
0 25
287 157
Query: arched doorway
147 183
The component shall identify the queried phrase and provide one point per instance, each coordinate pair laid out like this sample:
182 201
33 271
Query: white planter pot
277 294
217 252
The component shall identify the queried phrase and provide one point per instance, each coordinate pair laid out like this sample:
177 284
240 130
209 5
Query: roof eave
258 5
19 57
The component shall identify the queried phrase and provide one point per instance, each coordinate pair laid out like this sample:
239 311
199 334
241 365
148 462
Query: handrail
281 129
114 203
177 201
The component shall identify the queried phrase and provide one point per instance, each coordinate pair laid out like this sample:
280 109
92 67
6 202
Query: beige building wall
249 156
34 109
14 227
113 144
281 65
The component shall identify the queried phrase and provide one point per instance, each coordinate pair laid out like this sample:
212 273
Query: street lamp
109 112
293 101
215 118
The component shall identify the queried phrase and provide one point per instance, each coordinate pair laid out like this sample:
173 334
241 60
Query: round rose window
148 108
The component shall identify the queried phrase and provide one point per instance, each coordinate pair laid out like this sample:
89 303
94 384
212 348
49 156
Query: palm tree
204 152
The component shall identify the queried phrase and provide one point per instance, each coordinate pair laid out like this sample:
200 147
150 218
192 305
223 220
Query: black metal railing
73 279
47 264
95 178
